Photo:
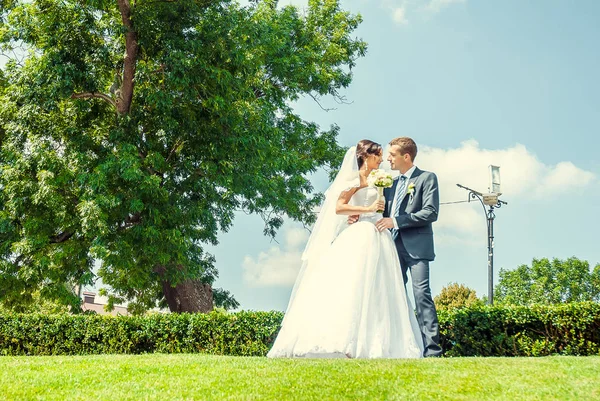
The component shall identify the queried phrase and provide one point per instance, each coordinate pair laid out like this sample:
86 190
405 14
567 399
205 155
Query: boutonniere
411 192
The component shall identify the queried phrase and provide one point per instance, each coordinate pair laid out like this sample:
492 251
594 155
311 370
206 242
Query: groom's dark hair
407 145
366 148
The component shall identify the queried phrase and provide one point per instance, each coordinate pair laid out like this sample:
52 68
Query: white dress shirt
408 174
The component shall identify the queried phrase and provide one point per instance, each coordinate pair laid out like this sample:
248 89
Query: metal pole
491 216
490 226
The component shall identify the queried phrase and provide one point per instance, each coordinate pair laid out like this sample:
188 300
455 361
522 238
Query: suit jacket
416 214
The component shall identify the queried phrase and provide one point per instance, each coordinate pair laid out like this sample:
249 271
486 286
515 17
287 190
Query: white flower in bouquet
380 179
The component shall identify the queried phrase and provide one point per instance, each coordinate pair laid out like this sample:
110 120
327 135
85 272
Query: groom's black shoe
435 354
433 351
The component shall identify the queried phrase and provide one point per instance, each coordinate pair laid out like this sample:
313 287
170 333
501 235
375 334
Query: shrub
569 329
537 330
454 296
241 333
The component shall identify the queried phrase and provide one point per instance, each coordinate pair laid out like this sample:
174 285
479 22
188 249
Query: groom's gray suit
414 242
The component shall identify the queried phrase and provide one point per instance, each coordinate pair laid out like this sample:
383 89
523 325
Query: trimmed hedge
537 330
242 333
570 329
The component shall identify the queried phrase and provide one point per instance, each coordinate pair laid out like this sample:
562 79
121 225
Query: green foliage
242 333
549 282
455 296
209 131
537 330
571 329
223 299
40 304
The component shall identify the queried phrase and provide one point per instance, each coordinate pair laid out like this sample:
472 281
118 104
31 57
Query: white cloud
279 265
450 240
438 5
401 9
563 177
399 15
523 176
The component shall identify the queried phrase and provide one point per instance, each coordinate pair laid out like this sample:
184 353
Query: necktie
399 196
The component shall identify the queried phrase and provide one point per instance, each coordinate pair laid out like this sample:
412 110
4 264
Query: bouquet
380 179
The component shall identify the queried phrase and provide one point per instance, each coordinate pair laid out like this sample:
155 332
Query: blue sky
475 83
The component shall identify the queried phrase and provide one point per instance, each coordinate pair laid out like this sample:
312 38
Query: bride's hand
377 205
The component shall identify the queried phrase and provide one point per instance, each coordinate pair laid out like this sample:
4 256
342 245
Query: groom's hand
384 224
353 219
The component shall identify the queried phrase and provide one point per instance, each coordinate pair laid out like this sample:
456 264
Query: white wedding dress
351 300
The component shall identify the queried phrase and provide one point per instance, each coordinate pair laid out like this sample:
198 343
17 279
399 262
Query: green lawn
201 377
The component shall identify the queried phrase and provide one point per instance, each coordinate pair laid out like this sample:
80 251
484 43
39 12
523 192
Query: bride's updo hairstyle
366 148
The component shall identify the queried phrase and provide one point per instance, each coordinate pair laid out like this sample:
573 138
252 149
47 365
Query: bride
349 298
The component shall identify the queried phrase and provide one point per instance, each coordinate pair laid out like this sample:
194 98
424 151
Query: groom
411 205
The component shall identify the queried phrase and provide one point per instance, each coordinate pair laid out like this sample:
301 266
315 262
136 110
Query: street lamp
490 199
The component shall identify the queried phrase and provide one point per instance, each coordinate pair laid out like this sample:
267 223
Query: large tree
549 282
133 131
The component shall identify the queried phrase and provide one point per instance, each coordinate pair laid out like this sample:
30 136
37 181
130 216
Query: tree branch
19 259
320 105
130 60
130 221
62 237
175 147
341 99
133 219
90 95
16 57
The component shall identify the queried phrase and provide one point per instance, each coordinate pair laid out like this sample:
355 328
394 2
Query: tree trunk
191 296
188 296
123 102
